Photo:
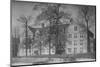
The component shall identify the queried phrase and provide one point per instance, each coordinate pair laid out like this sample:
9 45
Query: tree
15 40
52 14
25 20
87 12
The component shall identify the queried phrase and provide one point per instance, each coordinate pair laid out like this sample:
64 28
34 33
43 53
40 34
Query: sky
26 9
20 9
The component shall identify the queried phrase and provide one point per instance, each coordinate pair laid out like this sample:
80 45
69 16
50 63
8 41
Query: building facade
76 42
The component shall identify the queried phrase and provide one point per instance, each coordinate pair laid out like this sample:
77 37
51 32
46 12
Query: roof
90 34
45 28
61 26
32 29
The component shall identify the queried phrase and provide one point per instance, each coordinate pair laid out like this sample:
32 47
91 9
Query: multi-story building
76 39
73 36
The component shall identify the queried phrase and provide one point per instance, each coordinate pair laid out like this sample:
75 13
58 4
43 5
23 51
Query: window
81 50
75 42
69 49
75 28
81 40
75 35
75 50
81 35
64 30
70 42
70 35
81 43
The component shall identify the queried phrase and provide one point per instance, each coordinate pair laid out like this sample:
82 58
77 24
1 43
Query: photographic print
50 33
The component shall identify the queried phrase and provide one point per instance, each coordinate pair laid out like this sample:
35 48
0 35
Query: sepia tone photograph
52 33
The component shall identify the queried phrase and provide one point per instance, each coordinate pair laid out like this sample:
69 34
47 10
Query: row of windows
76 35
76 43
75 50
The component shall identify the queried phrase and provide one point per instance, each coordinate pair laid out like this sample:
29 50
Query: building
76 42
72 36
45 50
38 46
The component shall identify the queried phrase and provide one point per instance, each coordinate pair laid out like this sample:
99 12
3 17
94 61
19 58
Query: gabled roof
31 29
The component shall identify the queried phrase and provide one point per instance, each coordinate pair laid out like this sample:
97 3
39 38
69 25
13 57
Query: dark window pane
75 35
75 28
69 49
81 35
70 35
75 50
70 42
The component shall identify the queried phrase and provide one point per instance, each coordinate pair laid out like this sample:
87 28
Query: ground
51 59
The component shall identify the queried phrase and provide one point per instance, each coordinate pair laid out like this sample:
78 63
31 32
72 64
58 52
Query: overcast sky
26 9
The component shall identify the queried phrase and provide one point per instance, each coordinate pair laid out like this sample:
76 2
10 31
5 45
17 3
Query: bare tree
25 20
15 42
87 12
51 13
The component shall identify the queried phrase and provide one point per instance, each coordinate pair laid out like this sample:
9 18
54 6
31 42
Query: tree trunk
58 51
50 40
26 37
88 39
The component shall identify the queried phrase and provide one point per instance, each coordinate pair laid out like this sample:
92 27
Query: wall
75 40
